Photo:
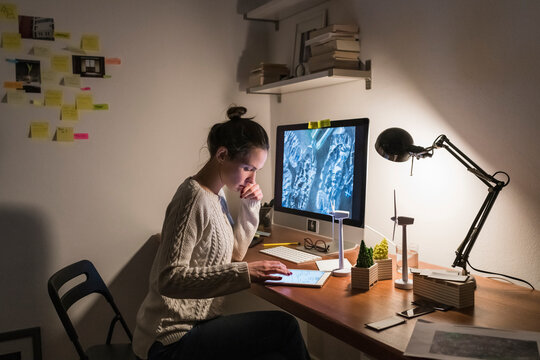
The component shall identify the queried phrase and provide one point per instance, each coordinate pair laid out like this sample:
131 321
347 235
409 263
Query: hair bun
236 112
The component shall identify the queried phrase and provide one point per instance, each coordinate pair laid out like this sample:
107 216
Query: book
333 45
258 79
268 68
323 38
345 55
336 28
315 66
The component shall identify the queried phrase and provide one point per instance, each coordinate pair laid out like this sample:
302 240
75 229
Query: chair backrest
93 284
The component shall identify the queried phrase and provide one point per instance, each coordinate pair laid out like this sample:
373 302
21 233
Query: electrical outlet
313 225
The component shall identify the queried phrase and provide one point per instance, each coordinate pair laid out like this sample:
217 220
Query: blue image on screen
318 169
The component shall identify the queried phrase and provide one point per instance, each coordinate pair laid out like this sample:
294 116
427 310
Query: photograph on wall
39 28
89 66
29 73
22 344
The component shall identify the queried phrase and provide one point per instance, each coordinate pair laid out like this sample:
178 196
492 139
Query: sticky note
70 113
324 123
53 97
90 42
39 130
72 80
113 61
64 133
13 84
41 51
86 88
48 76
60 63
84 102
37 102
11 41
62 35
101 106
80 136
16 97
8 12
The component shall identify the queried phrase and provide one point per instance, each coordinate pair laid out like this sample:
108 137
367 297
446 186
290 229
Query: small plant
381 250
365 256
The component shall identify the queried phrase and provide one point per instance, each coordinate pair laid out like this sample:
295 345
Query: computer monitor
318 167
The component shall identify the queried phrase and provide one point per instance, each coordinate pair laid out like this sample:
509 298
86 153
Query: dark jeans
252 335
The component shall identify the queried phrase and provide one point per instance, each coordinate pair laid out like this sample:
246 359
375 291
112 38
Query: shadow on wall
128 289
256 49
23 267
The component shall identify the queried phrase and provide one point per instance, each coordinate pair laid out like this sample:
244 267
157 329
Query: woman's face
239 172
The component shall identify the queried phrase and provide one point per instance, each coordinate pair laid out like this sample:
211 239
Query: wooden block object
385 268
459 295
364 278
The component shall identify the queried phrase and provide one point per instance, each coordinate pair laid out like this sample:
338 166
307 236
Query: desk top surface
342 311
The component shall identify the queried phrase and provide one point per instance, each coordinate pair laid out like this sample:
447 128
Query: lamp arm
494 187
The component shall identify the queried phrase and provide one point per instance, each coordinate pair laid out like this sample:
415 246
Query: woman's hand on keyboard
260 271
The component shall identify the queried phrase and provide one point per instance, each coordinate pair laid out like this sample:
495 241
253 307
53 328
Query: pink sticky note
85 88
80 136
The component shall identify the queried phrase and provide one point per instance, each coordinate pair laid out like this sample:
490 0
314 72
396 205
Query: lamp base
400 284
341 272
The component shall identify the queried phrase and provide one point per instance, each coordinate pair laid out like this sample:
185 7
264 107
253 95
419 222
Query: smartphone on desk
416 311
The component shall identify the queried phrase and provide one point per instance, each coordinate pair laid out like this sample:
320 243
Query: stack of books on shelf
267 73
335 46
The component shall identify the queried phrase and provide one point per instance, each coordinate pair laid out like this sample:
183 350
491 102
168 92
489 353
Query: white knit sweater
192 269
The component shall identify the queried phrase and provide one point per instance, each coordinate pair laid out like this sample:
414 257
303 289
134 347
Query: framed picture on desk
301 52
22 344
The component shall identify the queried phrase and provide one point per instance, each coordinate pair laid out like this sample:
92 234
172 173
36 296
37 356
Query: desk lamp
340 215
396 144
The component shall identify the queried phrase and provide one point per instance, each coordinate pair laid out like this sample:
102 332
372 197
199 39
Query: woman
180 316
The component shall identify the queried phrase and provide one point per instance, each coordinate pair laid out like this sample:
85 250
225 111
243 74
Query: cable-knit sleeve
186 224
245 227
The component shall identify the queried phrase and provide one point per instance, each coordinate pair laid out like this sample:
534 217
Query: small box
459 295
364 278
385 268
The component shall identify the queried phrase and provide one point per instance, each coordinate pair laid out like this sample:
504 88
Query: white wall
461 68
101 199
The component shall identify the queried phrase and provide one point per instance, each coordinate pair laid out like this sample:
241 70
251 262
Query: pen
282 244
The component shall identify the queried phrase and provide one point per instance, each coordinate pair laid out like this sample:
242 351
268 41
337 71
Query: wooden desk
342 312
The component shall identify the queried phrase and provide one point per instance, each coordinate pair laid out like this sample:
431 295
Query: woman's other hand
252 192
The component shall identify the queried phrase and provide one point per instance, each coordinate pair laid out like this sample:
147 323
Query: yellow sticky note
39 130
64 133
60 63
53 98
72 80
41 51
62 35
16 97
70 113
84 102
37 102
90 42
324 123
11 41
48 76
8 12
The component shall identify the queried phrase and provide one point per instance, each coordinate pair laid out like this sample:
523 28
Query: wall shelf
276 10
319 79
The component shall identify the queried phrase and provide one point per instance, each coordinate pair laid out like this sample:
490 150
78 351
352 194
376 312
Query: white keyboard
292 255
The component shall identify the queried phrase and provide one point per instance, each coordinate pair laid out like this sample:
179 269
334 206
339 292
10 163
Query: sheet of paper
8 11
16 97
41 51
48 76
60 63
72 80
90 42
11 41
53 98
39 130
84 102
70 113
64 133
13 84
332 264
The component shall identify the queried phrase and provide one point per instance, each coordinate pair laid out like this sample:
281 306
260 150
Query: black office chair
93 284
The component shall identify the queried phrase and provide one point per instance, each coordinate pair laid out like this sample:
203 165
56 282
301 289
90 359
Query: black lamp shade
394 144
